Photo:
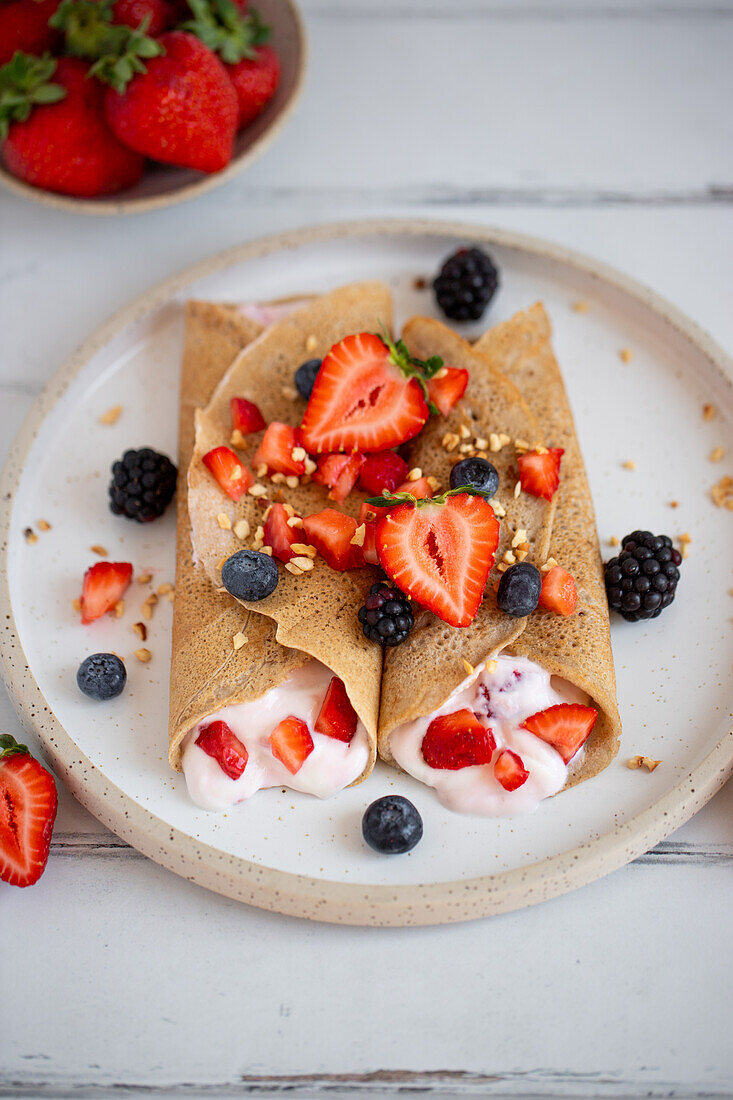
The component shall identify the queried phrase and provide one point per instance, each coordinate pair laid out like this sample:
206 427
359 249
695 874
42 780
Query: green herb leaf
419 369
390 500
24 83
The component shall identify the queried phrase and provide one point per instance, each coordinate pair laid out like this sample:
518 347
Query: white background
606 126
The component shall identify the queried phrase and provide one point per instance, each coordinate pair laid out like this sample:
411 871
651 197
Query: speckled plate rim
119 205
299 895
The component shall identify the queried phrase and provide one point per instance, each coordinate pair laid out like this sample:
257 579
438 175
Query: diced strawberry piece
540 473
231 474
104 586
369 513
558 592
420 489
246 416
331 533
566 727
339 473
456 741
447 388
279 535
510 771
28 804
363 399
369 548
337 718
441 554
291 743
384 470
218 741
276 450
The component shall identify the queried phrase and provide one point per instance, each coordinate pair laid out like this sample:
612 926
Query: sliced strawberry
368 516
440 553
276 450
246 416
366 398
558 592
339 473
509 769
28 804
540 473
337 718
384 470
232 475
447 387
279 535
219 742
291 743
420 489
456 741
103 586
565 727
331 533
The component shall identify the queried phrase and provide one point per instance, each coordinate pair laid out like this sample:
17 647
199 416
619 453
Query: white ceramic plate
293 853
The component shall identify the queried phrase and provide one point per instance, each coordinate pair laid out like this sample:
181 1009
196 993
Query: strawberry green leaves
25 81
9 746
118 51
388 500
220 25
419 369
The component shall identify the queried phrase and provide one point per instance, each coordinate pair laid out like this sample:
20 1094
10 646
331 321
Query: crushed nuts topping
289 393
311 343
517 489
257 490
144 578
239 640
224 522
636 762
237 440
310 465
292 481
304 548
278 479
101 551
468 666
76 603
241 528
295 521
30 535
522 554
498 508
44 525
581 306
549 564
521 445
629 464
491 666
684 541
359 536
494 444
293 568
709 412
303 563
613 541
261 469
433 483
298 454
165 588
141 630
414 474
626 355
119 609
450 441
509 557
266 550
111 416
464 431
519 537
143 655
717 454
722 493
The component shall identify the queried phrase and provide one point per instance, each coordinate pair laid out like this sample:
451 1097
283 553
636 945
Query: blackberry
305 377
142 486
392 824
642 580
466 284
386 616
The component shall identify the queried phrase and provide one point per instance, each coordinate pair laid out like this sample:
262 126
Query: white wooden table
607 126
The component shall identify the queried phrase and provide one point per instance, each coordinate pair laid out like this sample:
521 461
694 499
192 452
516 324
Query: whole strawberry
24 26
55 132
156 15
28 803
255 81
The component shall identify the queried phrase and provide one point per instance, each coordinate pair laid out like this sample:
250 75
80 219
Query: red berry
291 743
566 727
457 740
246 417
103 587
279 535
28 803
130 13
331 533
384 470
339 473
539 472
24 26
558 593
255 81
276 450
231 474
337 717
447 388
420 489
219 742
510 771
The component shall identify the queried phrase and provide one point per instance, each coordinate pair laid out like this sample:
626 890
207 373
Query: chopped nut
466 448
44 525
709 412
311 343
141 630
502 567
522 554
241 528
549 564
295 521
304 548
717 454
480 443
519 537
636 762
498 508
468 666
626 355
76 604
303 563
147 611
517 489
298 454
30 535
289 393
144 578
292 568
722 493
239 640
684 541
491 666
261 469
236 439
521 445
100 551
164 589
310 465
278 479
674 504
504 439
433 483
224 522
629 464
359 535
450 441
266 550
257 490
259 533
292 481
111 416
288 509
581 306
464 431
509 557
267 511
414 474
524 546
613 541
119 609
143 655
494 443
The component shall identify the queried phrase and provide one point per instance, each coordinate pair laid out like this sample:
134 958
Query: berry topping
383 470
246 417
386 616
218 741
420 489
447 387
279 534
276 450
339 473
305 377
142 486
391 825
232 475
510 771
368 517
103 587
457 740
249 575
539 472
255 81
28 803
565 727
440 551
336 718
559 593
291 743
480 474
519 589
331 533
466 284
642 580
101 676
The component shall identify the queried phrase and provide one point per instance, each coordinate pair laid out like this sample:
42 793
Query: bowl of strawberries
119 106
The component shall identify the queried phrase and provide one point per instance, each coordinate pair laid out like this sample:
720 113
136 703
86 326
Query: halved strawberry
276 450
456 741
509 769
420 489
331 533
440 552
246 416
218 741
565 727
291 743
383 470
28 803
447 387
279 535
558 592
339 473
337 718
366 398
103 586
540 473
232 475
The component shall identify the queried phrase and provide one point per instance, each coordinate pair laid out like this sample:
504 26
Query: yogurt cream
331 766
502 700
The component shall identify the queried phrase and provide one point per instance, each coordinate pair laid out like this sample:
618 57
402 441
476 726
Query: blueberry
392 824
101 676
305 377
519 589
476 472
249 575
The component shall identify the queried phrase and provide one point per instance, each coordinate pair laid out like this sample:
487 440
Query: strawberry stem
10 747
411 367
118 52
24 84
390 500
221 26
